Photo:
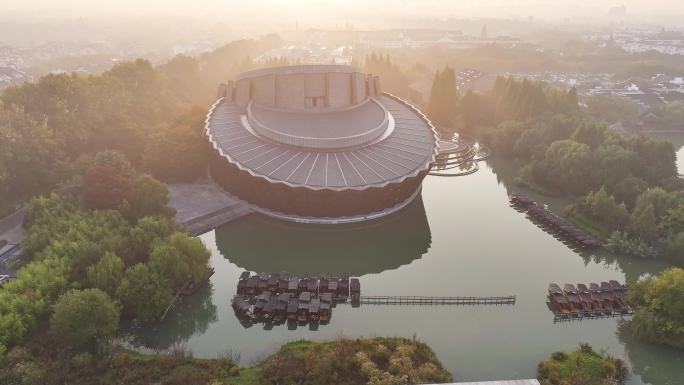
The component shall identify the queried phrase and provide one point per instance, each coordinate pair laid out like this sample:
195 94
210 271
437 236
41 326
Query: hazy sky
556 9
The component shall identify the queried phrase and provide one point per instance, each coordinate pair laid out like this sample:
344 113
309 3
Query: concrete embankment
204 207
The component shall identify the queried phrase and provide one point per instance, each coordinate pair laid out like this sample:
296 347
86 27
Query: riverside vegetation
364 361
626 188
104 240
582 366
106 244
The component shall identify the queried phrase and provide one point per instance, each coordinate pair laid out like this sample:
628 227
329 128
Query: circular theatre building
318 143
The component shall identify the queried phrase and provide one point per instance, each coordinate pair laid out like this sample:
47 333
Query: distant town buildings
27 63
645 93
420 38
466 80
10 75
641 39
310 54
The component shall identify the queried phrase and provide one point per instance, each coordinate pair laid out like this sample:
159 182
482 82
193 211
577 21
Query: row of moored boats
605 299
554 222
277 297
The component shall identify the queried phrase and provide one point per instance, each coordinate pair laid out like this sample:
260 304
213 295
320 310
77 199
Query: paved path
203 207
509 382
12 230
11 234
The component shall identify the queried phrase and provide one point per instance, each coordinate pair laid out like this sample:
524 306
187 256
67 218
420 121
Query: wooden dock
565 317
509 382
556 225
428 300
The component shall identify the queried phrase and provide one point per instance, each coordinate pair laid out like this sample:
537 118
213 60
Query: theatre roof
408 148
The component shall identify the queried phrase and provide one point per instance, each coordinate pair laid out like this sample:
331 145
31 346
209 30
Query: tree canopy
122 248
441 108
84 318
659 308
583 366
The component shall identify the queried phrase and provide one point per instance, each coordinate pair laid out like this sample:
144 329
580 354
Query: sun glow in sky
304 8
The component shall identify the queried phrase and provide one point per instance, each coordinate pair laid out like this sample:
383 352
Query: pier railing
428 300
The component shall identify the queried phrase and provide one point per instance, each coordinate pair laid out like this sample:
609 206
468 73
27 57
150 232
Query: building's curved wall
307 202
338 142
295 87
290 91
263 90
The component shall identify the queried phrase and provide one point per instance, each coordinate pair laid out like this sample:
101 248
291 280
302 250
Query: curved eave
427 165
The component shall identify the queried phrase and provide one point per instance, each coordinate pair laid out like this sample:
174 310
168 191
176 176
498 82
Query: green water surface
459 238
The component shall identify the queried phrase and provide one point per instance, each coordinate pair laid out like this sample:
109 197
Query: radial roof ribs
406 148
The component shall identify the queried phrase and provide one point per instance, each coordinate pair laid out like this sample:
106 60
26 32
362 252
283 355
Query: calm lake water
460 238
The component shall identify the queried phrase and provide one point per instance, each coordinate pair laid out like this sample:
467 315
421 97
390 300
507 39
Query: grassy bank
594 228
343 361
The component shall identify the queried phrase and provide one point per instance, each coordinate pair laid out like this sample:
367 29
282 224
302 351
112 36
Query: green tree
106 274
601 207
612 109
660 199
179 153
143 293
83 319
671 114
675 248
147 197
116 160
28 156
147 232
530 144
441 106
468 109
658 158
643 223
179 259
104 187
583 366
570 166
615 163
672 222
628 189
659 308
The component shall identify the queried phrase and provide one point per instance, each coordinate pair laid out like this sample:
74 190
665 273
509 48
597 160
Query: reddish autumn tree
104 187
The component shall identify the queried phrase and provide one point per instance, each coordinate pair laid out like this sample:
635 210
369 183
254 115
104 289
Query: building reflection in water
262 244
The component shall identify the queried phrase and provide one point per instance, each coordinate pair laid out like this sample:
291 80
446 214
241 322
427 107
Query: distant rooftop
299 69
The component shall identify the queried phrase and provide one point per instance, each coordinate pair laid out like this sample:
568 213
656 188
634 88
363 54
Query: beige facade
325 87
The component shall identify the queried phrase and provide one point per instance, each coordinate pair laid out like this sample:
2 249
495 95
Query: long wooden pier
428 300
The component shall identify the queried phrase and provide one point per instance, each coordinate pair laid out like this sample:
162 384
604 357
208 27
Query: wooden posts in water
553 222
435 300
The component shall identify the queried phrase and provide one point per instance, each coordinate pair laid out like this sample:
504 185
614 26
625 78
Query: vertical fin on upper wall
359 88
230 91
221 91
371 85
243 92
376 85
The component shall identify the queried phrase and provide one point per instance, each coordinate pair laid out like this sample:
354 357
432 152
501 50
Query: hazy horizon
313 10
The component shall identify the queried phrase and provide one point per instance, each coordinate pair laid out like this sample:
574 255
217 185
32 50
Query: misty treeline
627 188
564 55
105 240
151 114
392 78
